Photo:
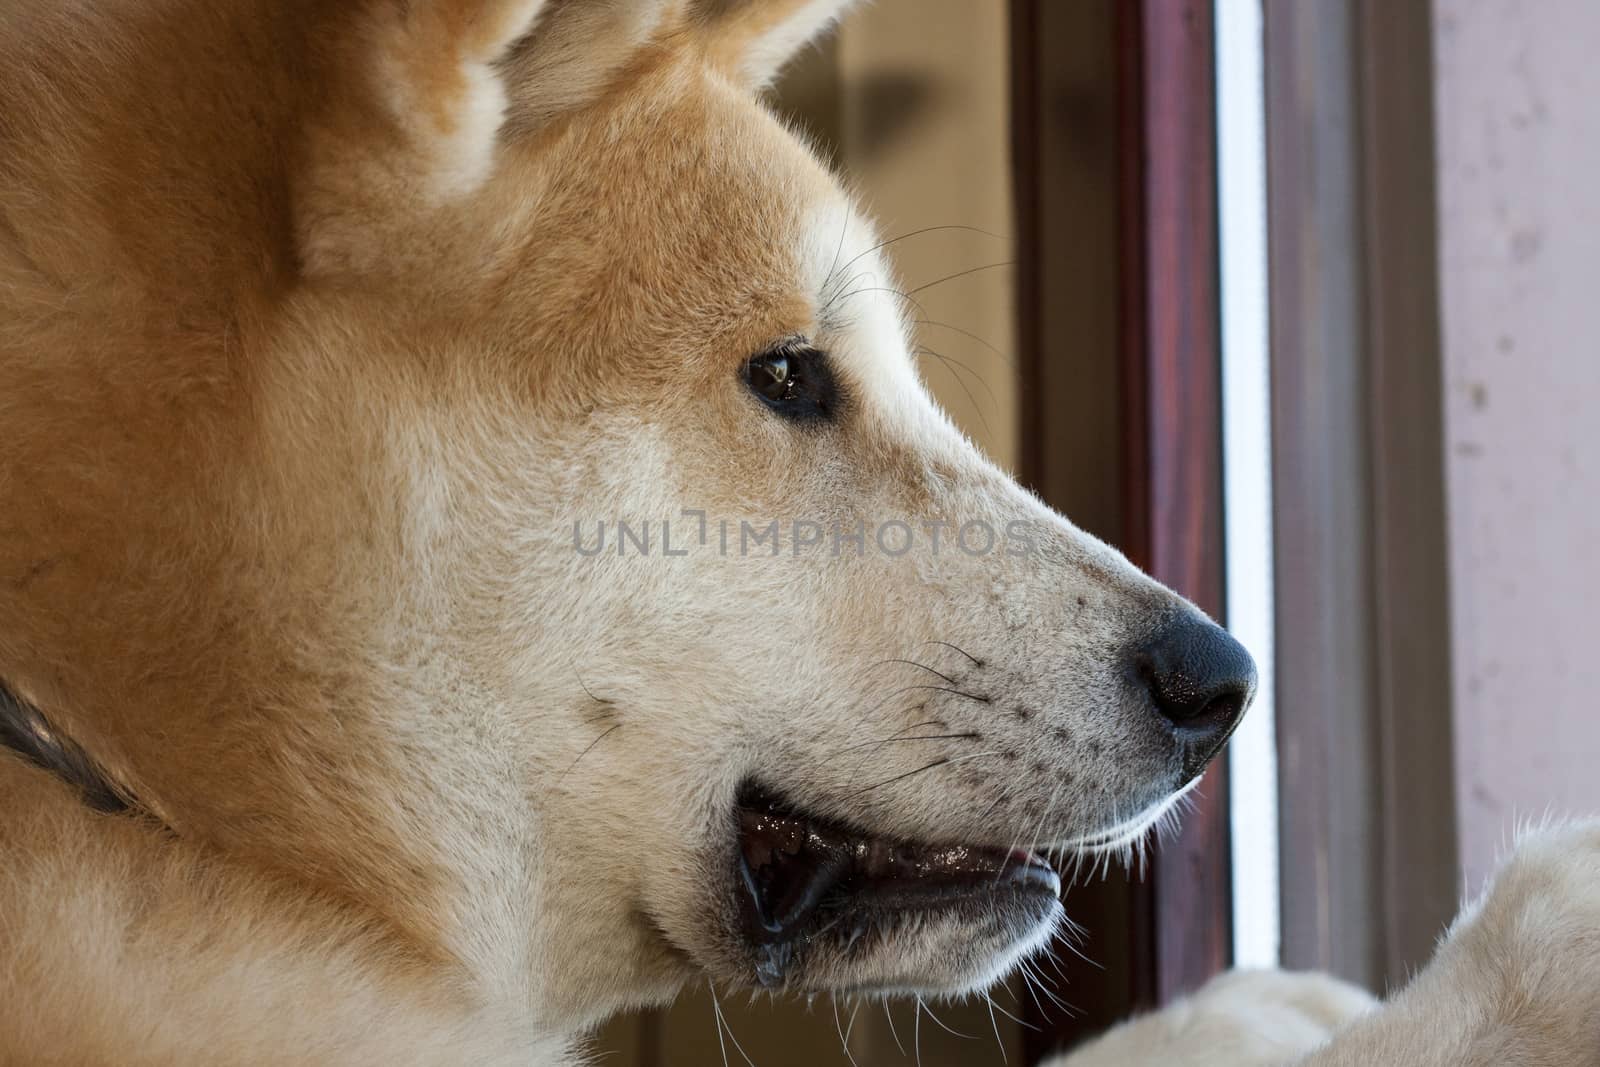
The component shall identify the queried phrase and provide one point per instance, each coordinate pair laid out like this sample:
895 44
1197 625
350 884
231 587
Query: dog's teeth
876 857
807 877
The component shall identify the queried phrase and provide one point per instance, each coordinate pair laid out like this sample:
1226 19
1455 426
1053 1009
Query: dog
470 559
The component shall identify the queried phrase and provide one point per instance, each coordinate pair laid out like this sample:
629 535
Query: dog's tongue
792 865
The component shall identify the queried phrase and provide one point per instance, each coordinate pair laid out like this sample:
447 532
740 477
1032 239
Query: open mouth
804 877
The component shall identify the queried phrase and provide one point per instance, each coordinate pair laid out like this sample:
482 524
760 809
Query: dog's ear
578 49
412 107
753 39
418 97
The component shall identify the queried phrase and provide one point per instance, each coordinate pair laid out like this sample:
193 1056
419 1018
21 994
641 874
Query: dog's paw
1516 978
1239 1019
1534 934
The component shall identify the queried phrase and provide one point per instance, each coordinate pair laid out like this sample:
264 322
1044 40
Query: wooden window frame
1149 940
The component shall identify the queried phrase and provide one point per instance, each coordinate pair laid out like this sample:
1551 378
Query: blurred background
1293 301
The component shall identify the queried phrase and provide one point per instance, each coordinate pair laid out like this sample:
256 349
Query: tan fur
308 365
320 328
121 948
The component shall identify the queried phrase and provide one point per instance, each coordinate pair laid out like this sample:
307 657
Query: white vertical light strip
1247 467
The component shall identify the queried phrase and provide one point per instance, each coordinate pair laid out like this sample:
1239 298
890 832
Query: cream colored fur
1240 1019
1514 981
321 326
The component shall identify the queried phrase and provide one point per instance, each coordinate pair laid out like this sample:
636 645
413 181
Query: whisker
716 1006
839 295
977 409
1044 814
844 1038
901 777
941 762
838 250
941 1023
993 1007
907 236
605 734
589 692
1044 987
1000 797
956 364
970 735
998 1043
1027 984
1047 988
870 712
716 1017
948 689
960 274
897 733
976 662
924 666
891 290
1070 938
891 738
968 334
889 1015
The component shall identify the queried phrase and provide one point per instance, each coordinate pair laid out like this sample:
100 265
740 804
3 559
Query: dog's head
577 553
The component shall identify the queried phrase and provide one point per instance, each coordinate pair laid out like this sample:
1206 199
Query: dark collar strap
25 731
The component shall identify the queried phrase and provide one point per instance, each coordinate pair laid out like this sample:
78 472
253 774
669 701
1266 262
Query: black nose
1200 680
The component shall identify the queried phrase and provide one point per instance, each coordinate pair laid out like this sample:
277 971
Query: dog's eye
771 377
794 380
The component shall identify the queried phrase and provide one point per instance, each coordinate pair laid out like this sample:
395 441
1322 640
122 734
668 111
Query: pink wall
1519 193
